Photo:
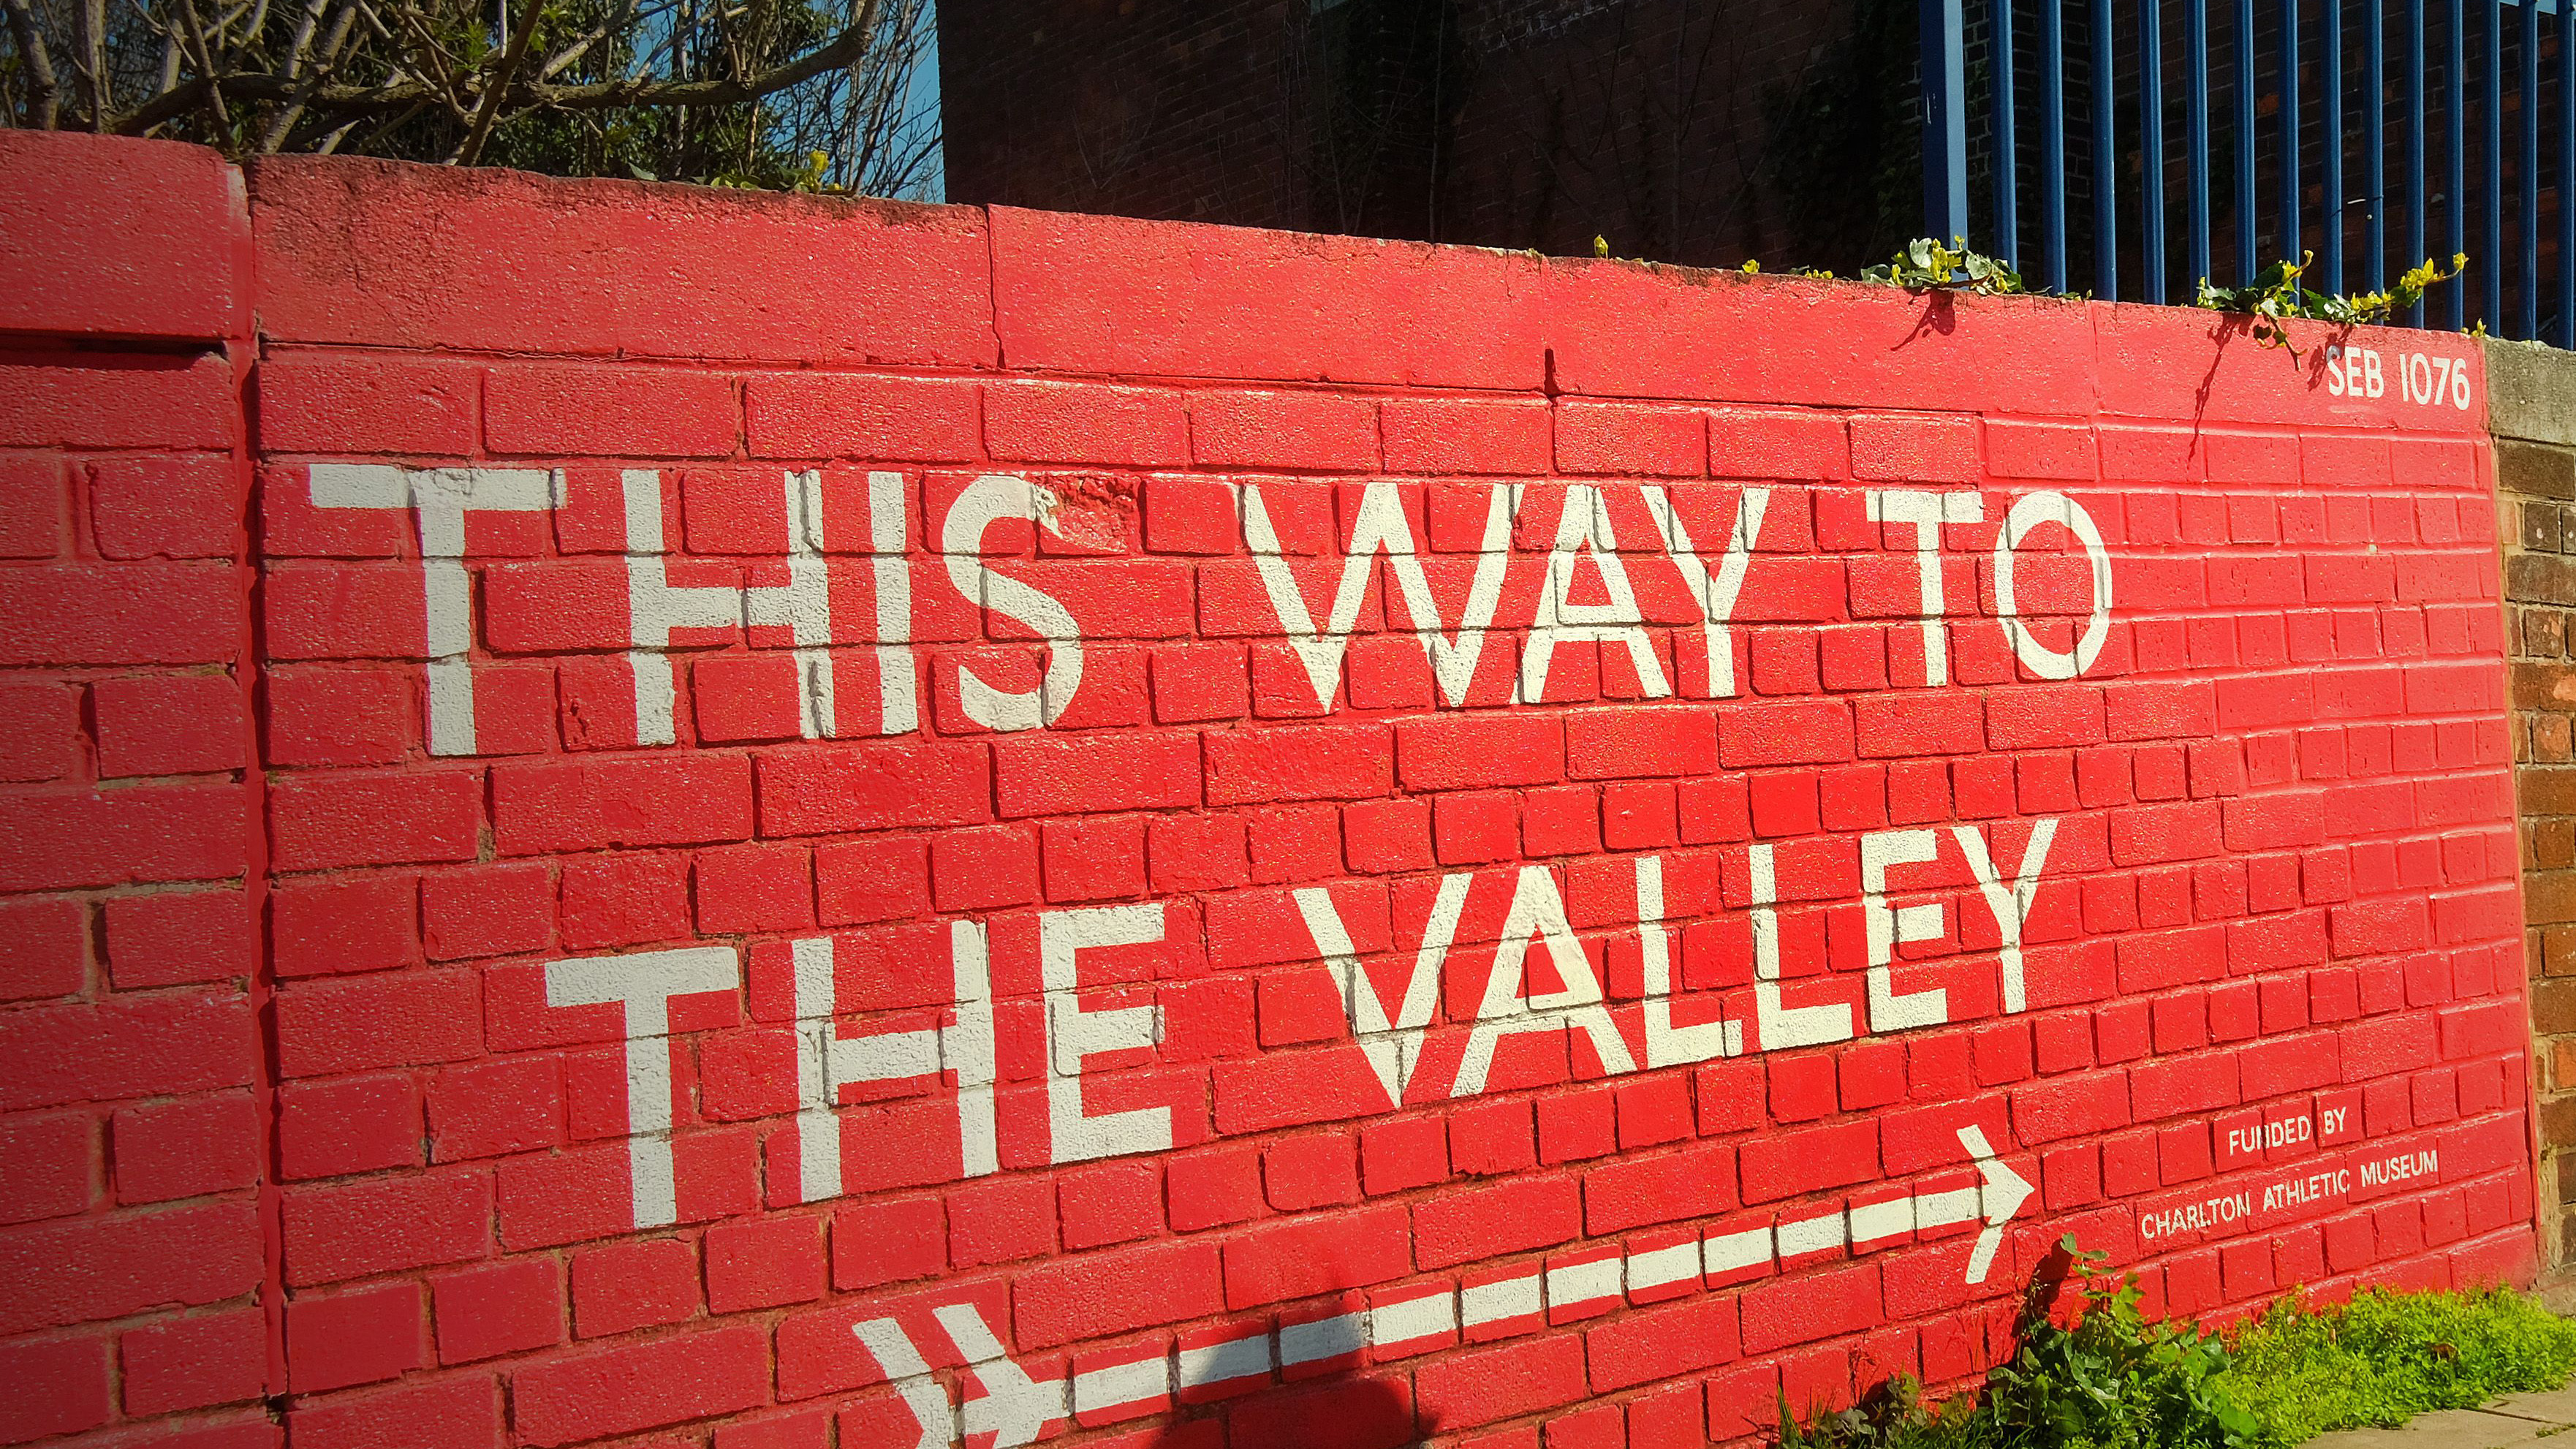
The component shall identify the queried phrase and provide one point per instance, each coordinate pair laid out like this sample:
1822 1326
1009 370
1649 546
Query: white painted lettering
439 499
1889 1011
1585 527
2029 512
643 984
1537 910
1073 1034
826 1061
1777 1026
655 606
1393 1044
987 501
1715 596
898 712
1382 525
1927 511
1666 1044
2011 908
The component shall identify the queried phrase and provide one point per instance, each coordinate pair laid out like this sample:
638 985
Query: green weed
2275 296
2112 1380
1927 265
2385 1356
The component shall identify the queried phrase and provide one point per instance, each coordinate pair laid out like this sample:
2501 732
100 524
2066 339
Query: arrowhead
1013 1407
921 1394
2005 1192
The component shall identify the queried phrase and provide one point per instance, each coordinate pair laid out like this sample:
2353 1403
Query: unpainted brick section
2535 468
930 797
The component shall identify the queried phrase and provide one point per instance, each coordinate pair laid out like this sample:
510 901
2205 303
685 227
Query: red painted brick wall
867 833
136 1101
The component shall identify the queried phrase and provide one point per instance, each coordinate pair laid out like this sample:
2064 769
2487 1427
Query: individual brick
54 1157
183 507
345 925
62 1386
43 735
553 410
1283 430
43 948
86 839
318 821
633 800
848 415
635 1284
386 1225
451 1412
507 1307
162 1045
33 493
341 404
1093 1295
194 1362
1071 422
411 1018
642 1385
360 1337
1442 436
348 1125
1629 438
187 1148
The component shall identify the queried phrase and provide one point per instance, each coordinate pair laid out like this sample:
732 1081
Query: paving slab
2550 1406
2444 1429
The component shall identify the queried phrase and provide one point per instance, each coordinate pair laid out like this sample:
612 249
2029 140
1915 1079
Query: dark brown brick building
1696 131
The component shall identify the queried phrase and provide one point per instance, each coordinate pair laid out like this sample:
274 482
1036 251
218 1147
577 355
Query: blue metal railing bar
2331 219
2566 179
1945 122
2374 140
2289 129
2007 178
2247 223
2415 143
2052 142
2248 248
2492 314
2106 157
2522 277
2195 128
2530 102
2151 143
2455 77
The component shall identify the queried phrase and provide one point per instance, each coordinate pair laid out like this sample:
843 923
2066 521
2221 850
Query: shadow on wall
1347 1413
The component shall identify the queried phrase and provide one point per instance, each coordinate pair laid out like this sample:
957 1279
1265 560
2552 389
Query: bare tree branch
516 94
282 124
745 92
196 34
89 42
469 149
43 92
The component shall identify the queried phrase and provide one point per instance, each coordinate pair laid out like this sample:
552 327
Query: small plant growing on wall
2275 296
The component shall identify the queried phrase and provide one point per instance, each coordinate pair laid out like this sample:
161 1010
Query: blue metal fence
2295 138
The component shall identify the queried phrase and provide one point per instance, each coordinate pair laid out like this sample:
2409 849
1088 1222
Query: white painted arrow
1015 1408
2005 1192
1012 1407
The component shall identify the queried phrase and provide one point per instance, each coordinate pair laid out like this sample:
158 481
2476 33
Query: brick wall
860 847
2536 488
135 1104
